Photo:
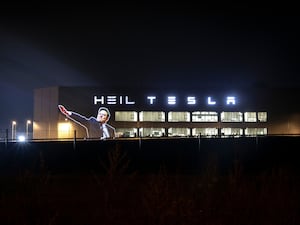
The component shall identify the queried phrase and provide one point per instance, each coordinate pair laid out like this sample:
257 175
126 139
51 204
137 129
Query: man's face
102 116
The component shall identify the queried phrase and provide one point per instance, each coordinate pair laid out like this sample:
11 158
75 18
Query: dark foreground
178 181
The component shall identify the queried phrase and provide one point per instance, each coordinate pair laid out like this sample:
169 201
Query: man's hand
63 110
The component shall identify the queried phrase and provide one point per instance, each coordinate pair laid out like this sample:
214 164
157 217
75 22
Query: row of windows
66 130
186 132
197 116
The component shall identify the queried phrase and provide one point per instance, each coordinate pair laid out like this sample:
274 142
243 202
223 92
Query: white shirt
105 131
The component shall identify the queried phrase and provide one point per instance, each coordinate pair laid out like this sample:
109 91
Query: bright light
21 138
230 100
13 130
64 130
27 125
171 100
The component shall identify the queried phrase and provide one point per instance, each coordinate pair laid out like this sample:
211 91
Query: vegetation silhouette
122 196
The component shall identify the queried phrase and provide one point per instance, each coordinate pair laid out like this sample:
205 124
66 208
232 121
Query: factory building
154 113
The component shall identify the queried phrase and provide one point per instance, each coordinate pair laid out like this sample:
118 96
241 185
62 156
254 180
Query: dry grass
159 198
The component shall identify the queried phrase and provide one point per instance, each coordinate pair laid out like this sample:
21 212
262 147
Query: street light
27 124
13 130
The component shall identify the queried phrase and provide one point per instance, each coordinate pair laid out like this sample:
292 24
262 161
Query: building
209 112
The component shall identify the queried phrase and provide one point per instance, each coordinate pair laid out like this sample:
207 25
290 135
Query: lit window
228 131
255 131
152 116
152 132
250 116
179 117
130 116
205 131
231 117
126 132
204 116
179 132
262 116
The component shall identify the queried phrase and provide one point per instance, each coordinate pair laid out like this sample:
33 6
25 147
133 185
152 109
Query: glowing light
64 130
13 130
171 100
210 101
230 100
191 100
21 138
27 125
151 98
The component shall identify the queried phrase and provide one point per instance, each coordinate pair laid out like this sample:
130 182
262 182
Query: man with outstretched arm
96 127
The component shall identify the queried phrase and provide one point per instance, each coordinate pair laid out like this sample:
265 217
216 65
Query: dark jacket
92 126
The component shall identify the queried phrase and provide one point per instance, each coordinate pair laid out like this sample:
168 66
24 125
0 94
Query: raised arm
64 111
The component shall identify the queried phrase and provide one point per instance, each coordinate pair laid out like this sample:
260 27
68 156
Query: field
156 182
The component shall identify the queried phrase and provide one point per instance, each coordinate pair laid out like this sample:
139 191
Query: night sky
143 46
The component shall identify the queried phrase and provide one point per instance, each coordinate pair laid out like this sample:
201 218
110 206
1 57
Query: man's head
103 115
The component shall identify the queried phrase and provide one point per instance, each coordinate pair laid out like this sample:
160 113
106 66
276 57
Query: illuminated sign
171 100
113 100
230 100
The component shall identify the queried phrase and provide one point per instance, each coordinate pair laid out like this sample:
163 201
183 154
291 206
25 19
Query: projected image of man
96 127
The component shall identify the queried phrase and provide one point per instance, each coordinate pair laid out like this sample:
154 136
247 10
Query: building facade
206 112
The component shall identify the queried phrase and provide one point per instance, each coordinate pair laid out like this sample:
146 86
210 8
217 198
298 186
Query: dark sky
143 45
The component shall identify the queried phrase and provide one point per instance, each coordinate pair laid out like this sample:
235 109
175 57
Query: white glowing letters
192 100
172 100
152 100
113 100
230 100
